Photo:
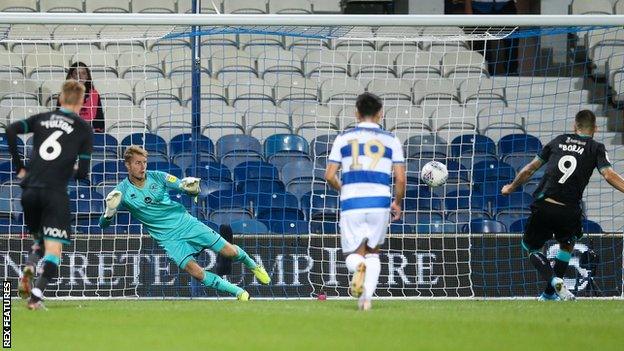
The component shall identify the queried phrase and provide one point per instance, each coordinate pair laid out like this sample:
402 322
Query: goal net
253 111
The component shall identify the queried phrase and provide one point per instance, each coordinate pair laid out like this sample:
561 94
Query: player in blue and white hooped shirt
367 155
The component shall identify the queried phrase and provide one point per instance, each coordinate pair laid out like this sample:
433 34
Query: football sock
35 254
243 257
561 263
540 262
212 280
49 272
373 267
353 261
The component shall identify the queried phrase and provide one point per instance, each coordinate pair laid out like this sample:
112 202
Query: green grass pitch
319 325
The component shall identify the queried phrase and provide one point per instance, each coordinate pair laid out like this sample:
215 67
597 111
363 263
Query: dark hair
368 104
585 119
74 67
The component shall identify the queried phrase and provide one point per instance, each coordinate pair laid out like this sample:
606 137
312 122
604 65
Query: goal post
251 104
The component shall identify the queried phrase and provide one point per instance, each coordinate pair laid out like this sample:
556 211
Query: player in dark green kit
145 194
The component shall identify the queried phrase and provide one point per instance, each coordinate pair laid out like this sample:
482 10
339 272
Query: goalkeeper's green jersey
152 206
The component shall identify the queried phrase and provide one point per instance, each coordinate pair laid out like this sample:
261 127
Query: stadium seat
437 227
260 201
484 226
19 6
255 170
472 144
152 143
249 89
228 63
435 89
184 144
112 6
497 122
317 227
86 203
292 227
519 143
516 200
325 63
108 170
463 64
210 170
418 65
591 227
209 186
261 186
251 226
518 226
321 205
159 90
275 62
43 66
227 216
245 6
285 144
421 200
225 199
482 91
151 6
322 144
297 170
186 200
591 7
291 89
375 65
166 167
426 146
237 144
457 173
509 217
282 217
340 89
104 145
492 171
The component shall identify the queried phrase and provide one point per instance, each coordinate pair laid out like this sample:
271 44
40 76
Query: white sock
352 261
373 268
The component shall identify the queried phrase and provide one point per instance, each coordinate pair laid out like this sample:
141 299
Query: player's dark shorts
46 214
547 220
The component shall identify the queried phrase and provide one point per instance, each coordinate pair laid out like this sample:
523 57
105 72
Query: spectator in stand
502 56
91 110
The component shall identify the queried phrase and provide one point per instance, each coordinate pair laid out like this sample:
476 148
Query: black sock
35 255
540 262
50 271
560 267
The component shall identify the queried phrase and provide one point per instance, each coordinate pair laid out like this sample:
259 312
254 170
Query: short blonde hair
72 92
134 150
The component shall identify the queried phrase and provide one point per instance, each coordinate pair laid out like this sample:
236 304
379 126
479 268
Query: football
434 173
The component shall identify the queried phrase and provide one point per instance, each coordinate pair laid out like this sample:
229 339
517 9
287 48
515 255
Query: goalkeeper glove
190 185
113 199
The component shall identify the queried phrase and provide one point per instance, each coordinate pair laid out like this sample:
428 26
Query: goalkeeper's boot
243 296
25 282
35 304
357 282
546 297
562 290
261 274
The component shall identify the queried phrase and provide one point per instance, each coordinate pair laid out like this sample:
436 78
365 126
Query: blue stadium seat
225 199
291 227
300 187
185 160
437 227
104 145
250 226
255 170
261 186
484 226
317 227
457 173
519 143
421 200
210 186
260 201
186 200
285 143
108 170
464 199
472 144
518 226
165 167
413 168
509 217
413 218
232 160
152 143
321 205
237 143
4 145
519 160
591 227
86 203
227 216
210 170
516 200
463 216
184 143
279 214
489 171
400 227
322 144
297 170
426 146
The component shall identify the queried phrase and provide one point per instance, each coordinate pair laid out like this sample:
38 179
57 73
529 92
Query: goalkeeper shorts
195 237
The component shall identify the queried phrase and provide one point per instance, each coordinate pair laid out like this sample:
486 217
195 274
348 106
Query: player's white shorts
355 227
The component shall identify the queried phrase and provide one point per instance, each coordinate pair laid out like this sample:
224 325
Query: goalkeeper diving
145 194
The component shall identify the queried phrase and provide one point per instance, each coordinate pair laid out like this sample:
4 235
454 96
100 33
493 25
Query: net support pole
196 96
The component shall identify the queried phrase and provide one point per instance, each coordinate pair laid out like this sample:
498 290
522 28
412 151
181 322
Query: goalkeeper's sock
561 263
35 255
373 267
353 261
540 262
243 257
212 280
50 271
